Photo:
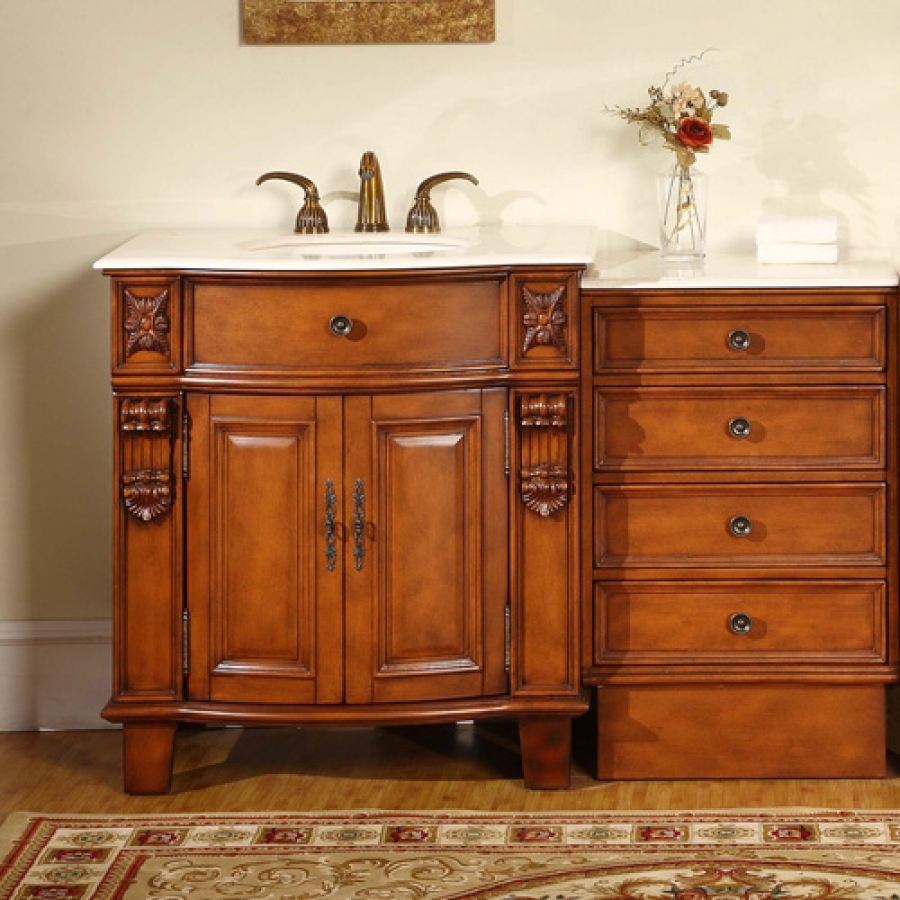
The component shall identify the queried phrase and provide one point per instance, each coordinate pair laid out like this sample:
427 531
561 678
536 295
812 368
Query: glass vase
681 194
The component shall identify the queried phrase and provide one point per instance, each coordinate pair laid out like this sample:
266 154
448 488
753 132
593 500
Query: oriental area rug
758 855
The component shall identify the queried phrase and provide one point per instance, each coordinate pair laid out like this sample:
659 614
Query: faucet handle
311 219
423 217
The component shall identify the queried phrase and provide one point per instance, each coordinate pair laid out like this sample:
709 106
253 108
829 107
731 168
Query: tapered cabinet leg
148 749
546 752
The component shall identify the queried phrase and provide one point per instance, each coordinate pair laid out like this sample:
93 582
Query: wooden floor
440 767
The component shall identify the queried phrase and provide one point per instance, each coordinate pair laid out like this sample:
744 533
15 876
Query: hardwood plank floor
441 767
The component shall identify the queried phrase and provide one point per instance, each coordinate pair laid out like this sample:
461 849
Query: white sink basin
349 246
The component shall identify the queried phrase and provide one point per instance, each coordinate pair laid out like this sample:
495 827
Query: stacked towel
797 239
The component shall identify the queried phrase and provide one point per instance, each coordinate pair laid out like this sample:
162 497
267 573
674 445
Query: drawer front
425 325
735 525
661 622
827 338
716 428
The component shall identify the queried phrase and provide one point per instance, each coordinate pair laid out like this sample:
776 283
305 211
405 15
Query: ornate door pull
330 529
359 524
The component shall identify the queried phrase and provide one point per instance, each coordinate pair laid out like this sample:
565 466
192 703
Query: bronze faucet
423 217
372 215
311 219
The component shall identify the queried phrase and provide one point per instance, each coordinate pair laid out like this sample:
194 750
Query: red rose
694 132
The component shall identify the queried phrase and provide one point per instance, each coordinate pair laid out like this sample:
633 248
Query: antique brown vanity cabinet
740 595
345 498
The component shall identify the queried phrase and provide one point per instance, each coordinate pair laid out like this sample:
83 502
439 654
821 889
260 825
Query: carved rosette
146 323
545 319
146 432
544 441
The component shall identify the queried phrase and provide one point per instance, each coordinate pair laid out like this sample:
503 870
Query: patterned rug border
756 852
13 826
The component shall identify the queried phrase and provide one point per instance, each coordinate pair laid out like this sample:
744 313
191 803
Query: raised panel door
264 597
425 498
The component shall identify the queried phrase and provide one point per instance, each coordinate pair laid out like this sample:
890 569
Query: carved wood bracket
146 433
146 415
147 494
544 319
146 323
544 441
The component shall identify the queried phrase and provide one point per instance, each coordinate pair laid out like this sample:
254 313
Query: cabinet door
265 601
425 502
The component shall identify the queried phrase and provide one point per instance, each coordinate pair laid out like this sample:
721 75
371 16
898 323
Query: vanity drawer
820 338
718 428
734 525
428 324
654 623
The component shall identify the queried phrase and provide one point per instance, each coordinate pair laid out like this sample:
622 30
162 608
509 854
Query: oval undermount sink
314 245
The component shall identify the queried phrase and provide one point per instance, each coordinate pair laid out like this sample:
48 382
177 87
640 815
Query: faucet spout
372 214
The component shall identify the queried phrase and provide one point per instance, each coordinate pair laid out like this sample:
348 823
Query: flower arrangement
681 116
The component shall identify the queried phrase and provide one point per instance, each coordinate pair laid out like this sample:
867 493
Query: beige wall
121 115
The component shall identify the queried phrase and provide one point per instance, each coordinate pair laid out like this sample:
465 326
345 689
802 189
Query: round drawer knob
740 526
340 326
739 340
739 427
740 623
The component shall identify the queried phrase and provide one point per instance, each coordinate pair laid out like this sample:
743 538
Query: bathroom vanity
346 474
394 480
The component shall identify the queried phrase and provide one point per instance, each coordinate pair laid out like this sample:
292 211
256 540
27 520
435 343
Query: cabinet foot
546 752
148 749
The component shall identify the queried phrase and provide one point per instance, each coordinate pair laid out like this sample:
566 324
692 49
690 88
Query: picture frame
367 21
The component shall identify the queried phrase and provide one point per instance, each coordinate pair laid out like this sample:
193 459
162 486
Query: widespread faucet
372 214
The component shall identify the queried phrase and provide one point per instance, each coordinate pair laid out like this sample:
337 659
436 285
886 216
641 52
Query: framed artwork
367 21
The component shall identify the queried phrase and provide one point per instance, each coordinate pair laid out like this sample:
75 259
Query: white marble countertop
258 250
250 250
646 271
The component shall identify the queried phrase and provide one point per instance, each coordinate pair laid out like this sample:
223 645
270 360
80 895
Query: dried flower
682 118
686 99
694 132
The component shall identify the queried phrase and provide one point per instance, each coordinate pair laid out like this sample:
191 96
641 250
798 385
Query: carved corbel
147 494
545 319
146 433
544 441
146 414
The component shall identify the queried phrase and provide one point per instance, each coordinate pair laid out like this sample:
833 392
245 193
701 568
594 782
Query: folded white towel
797 253
797 230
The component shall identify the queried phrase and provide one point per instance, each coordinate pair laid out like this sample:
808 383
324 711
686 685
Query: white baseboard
54 675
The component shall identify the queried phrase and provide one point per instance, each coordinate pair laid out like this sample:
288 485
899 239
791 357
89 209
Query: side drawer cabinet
743 529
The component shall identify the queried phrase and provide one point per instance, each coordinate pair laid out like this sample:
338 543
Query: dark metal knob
739 340
740 623
740 526
340 326
739 427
